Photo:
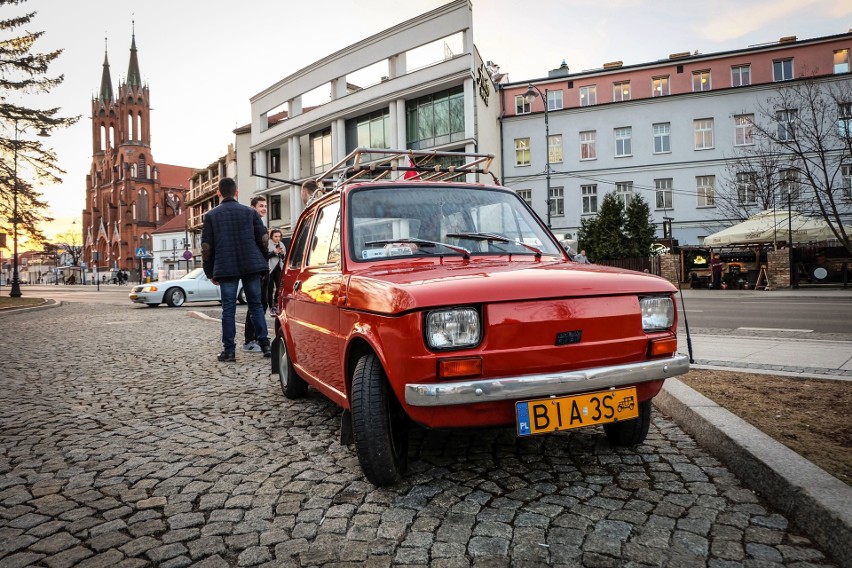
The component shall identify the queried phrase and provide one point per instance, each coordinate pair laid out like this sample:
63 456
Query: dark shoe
227 357
267 351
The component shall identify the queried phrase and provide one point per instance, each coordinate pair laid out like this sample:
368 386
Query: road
817 315
124 443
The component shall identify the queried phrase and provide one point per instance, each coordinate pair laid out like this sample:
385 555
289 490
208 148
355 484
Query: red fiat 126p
411 294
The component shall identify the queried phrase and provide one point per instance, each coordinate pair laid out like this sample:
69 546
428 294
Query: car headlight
454 328
657 313
149 289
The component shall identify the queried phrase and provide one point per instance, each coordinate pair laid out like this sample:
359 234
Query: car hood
419 285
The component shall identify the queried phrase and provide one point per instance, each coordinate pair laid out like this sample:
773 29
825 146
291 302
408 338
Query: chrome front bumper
532 386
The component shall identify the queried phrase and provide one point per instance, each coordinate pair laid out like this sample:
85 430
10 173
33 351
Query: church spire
134 78
106 80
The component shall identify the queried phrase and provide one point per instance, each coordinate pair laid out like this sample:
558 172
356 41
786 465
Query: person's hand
214 281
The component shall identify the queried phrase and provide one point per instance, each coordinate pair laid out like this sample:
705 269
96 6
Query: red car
449 304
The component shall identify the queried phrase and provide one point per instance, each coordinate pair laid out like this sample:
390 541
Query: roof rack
380 163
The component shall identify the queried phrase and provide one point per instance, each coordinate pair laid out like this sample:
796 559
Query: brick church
128 194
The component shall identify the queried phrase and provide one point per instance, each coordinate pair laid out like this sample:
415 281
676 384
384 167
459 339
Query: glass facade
435 119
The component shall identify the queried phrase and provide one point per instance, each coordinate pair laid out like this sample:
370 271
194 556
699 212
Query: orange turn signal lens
462 367
660 347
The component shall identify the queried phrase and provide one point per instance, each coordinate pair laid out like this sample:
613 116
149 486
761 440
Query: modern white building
418 85
666 129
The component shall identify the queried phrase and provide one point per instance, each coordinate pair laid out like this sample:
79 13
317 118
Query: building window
841 61
143 169
746 188
522 151
521 105
254 163
557 202
782 69
743 130
590 199
786 120
142 201
703 133
740 75
274 206
790 185
621 91
663 189
662 138
624 192
321 151
526 195
435 119
554 148
705 186
369 131
588 95
701 81
273 161
622 141
660 86
163 244
554 100
587 145
846 180
844 120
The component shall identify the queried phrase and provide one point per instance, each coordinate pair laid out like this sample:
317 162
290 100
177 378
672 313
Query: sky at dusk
204 59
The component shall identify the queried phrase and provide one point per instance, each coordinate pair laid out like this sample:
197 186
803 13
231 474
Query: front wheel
630 432
379 424
175 297
292 385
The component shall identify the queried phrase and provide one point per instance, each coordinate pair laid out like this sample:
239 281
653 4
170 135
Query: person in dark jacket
233 248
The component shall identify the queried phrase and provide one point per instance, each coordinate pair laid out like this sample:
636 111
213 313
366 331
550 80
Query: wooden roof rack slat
383 162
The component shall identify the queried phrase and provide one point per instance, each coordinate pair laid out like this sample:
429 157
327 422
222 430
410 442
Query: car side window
325 244
299 241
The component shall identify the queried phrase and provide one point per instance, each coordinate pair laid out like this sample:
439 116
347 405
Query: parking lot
124 443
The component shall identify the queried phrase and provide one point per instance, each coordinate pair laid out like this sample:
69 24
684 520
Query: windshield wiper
423 243
498 238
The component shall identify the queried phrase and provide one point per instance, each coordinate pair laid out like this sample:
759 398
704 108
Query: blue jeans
228 289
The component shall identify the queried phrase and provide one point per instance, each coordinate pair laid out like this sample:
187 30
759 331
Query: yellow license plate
567 412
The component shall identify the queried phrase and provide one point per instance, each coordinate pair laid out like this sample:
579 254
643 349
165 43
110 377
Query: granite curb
46 304
818 503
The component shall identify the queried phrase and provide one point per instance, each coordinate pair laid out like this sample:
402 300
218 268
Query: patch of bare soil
809 416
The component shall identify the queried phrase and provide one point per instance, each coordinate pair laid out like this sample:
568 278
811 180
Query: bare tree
70 243
750 183
809 123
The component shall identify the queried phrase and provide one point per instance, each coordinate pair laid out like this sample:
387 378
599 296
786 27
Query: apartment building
667 130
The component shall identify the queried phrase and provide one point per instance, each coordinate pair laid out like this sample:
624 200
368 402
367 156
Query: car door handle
297 284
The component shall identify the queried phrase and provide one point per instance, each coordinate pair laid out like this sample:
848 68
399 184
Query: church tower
128 194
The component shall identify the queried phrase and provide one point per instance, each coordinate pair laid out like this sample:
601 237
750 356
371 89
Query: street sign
187 255
141 252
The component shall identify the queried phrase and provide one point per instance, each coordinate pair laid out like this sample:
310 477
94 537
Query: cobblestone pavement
124 443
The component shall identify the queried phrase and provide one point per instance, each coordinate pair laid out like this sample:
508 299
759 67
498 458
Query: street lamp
531 94
16 283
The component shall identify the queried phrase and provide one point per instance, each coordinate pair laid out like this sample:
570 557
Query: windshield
197 272
449 221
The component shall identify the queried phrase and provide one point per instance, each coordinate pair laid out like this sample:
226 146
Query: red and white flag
410 174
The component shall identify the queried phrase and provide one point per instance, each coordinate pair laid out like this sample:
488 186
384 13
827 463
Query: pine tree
603 237
639 228
23 73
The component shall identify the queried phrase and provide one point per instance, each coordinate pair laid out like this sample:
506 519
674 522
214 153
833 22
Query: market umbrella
770 226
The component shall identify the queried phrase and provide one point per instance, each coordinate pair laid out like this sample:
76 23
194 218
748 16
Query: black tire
379 424
630 432
292 385
175 297
241 297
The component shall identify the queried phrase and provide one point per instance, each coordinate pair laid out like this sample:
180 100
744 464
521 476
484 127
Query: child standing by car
276 259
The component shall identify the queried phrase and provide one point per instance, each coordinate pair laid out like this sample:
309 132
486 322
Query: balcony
202 191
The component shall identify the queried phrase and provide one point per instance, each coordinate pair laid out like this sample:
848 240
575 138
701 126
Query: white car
192 287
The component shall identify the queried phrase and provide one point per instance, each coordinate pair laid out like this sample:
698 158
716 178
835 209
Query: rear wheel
630 432
175 297
292 385
379 424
